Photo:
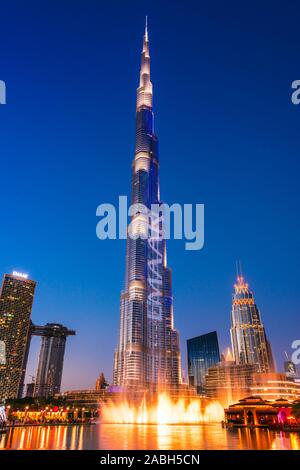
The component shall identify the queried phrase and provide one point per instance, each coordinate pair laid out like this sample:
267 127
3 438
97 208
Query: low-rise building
256 411
274 386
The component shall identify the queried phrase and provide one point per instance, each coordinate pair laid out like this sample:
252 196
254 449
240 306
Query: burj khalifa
148 353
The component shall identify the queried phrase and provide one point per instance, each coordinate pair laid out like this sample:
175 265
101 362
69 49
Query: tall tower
16 300
51 359
148 352
248 337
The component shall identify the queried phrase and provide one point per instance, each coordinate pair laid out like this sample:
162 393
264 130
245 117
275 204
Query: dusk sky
229 138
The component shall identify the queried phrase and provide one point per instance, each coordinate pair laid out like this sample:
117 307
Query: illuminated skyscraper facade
148 351
16 300
249 341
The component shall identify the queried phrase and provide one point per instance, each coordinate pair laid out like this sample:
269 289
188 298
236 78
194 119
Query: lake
146 437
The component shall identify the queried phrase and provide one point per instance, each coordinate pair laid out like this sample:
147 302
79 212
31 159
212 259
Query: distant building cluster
16 330
246 369
249 368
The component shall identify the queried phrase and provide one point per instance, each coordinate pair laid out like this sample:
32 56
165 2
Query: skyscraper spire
239 271
144 91
237 268
146 28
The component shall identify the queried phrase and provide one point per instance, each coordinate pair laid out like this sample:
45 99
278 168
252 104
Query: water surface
146 437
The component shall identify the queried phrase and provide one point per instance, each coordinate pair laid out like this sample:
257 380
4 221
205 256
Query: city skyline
48 333
88 268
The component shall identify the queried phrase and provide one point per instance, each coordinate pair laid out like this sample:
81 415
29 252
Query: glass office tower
16 300
148 351
248 337
203 352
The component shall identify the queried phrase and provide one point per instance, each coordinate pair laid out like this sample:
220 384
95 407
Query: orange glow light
164 411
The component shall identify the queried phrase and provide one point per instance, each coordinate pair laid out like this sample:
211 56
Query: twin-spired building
148 351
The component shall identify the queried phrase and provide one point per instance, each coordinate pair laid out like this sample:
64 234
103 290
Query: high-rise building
51 359
16 300
101 383
249 341
228 382
30 390
203 352
148 352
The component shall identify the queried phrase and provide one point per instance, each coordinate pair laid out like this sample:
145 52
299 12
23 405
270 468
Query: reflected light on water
139 436
286 441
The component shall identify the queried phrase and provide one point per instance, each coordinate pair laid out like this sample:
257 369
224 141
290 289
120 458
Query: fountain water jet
162 410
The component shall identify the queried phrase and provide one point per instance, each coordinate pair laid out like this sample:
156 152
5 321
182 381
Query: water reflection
132 436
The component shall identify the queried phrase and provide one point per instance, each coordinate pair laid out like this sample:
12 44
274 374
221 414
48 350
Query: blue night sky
229 138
